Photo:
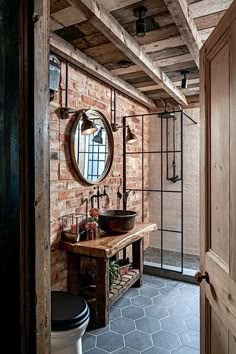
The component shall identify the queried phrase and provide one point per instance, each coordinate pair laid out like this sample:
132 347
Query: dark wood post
138 255
102 291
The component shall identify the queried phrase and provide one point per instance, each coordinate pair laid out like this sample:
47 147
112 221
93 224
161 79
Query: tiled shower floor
171 258
161 317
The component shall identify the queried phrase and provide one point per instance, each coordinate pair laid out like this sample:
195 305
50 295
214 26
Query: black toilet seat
68 311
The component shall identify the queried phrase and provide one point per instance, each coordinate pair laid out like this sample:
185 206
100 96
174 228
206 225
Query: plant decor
114 273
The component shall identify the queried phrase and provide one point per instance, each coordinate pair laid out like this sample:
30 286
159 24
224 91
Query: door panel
219 104
218 188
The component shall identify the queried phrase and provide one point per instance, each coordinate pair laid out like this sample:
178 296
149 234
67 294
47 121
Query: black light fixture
131 138
87 127
140 13
124 63
184 83
98 137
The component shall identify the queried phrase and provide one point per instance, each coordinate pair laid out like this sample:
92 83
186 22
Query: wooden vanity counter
102 249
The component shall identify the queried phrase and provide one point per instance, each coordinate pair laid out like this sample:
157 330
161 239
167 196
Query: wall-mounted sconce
88 127
131 138
98 137
184 83
54 75
140 13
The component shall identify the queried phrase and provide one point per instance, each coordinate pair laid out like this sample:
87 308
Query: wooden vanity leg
73 283
138 256
102 291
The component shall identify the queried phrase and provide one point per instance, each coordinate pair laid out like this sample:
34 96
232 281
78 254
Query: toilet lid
68 311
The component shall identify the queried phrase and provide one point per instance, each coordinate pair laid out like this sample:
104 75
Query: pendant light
140 13
98 137
87 127
184 83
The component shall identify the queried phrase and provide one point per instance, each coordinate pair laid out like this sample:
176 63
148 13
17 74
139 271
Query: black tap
97 196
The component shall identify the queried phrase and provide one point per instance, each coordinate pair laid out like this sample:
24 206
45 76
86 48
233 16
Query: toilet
69 320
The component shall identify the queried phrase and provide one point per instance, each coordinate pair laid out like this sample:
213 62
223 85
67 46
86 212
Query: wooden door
218 188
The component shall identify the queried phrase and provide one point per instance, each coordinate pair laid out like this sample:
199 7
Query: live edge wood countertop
107 245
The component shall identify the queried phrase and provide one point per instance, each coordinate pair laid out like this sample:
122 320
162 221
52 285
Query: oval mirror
92 154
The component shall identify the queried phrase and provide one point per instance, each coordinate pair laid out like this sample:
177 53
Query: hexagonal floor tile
148 325
123 302
141 301
150 292
156 311
190 338
131 293
138 341
125 351
190 290
110 341
155 350
193 322
156 284
95 351
122 325
132 312
169 291
163 300
88 342
114 313
166 340
173 324
179 311
185 350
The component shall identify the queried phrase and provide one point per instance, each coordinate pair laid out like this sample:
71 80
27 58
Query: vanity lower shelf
117 290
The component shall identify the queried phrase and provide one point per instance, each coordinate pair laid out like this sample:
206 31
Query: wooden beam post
179 10
66 50
107 24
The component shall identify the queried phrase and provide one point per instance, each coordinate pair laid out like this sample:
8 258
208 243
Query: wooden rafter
60 47
179 11
107 24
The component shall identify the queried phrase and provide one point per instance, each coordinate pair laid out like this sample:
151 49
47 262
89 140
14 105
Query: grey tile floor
161 317
171 258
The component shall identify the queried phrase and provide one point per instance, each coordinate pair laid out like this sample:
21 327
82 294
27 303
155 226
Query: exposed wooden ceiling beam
60 47
179 11
107 24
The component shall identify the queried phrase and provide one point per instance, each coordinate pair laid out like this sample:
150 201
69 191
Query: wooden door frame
222 30
24 175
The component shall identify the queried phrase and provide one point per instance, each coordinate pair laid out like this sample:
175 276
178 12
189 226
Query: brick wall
66 191
171 201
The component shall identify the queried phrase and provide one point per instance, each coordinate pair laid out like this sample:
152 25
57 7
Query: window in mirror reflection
91 151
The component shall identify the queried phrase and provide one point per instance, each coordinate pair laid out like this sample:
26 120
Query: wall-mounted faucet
97 196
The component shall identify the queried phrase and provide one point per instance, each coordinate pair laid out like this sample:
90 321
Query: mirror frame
110 148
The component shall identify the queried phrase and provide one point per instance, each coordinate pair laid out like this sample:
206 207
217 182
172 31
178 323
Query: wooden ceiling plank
207 7
178 83
68 16
163 44
180 12
161 63
107 24
60 47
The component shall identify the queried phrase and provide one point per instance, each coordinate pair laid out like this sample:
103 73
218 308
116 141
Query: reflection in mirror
92 154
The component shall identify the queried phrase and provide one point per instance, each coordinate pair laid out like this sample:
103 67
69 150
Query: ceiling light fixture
124 63
140 13
184 83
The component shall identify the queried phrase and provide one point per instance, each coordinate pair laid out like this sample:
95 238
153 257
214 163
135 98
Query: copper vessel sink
117 221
